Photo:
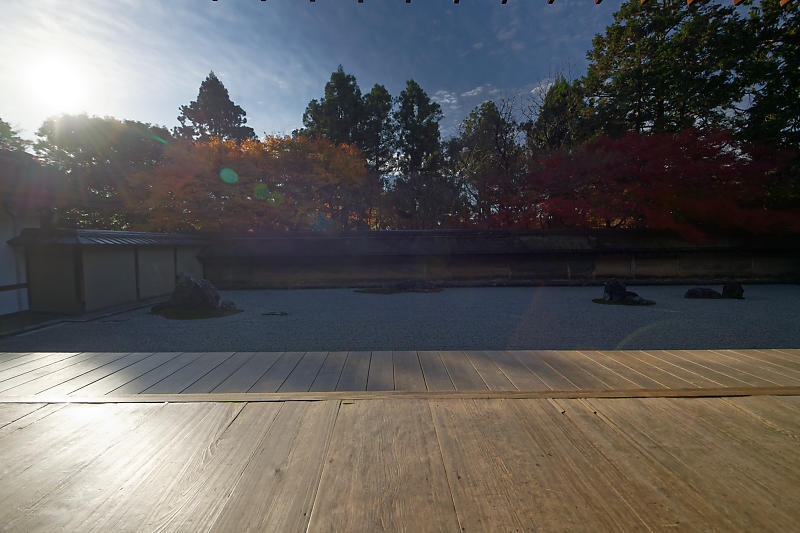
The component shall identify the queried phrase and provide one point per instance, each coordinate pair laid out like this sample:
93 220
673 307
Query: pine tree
213 114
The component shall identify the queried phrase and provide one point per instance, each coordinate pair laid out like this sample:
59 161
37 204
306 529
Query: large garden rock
733 290
702 292
194 294
615 292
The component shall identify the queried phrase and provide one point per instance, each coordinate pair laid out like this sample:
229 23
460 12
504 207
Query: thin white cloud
478 45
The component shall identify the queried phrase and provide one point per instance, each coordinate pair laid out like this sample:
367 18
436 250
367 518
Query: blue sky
142 60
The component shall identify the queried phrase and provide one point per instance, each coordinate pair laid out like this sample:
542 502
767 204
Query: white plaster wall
12 261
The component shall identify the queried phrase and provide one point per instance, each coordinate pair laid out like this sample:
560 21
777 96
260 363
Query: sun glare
58 84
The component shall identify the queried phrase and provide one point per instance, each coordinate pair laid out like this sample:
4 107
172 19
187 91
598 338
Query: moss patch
394 291
609 302
180 314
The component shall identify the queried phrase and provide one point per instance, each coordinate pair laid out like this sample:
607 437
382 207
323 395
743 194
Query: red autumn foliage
691 182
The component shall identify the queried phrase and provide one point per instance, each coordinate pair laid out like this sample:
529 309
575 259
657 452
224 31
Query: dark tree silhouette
213 114
337 115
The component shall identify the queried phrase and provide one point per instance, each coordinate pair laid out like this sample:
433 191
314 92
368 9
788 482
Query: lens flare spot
228 175
262 191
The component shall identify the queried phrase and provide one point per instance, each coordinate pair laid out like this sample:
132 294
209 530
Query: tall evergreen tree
337 115
418 136
213 114
560 118
377 133
10 139
666 66
772 74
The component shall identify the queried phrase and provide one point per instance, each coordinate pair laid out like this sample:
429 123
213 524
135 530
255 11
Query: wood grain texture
277 490
491 374
462 373
355 372
218 374
182 378
63 375
434 371
25 377
407 371
273 378
381 372
328 375
304 374
384 472
121 377
249 373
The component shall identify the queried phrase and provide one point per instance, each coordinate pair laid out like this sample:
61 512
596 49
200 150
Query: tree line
687 119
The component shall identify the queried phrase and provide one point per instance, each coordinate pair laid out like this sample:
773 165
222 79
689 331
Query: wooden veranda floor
293 375
463 441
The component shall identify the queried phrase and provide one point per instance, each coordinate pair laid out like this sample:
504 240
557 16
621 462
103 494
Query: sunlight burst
59 83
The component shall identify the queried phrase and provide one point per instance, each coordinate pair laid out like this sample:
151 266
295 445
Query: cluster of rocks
615 292
729 290
192 294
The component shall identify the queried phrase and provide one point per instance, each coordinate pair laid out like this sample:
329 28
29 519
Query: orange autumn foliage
277 183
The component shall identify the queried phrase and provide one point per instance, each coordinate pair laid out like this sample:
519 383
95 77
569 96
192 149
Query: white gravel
454 319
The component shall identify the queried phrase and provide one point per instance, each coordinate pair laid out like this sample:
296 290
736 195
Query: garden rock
733 290
615 292
195 294
702 292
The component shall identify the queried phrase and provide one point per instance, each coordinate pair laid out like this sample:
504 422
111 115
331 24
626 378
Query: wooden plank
774 412
773 357
304 373
383 472
328 375
491 374
151 377
550 377
577 371
434 371
497 486
523 378
10 356
273 378
31 418
381 372
188 492
647 369
162 444
88 378
729 392
42 458
641 480
11 412
250 372
43 371
664 363
407 371
117 379
728 367
24 358
766 370
65 374
179 380
218 374
462 373
47 361
355 372
695 368
632 377
726 476
276 491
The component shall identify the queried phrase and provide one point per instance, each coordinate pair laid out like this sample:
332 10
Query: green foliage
491 162
377 134
96 154
561 120
772 74
10 139
418 137
213 114
666 66
338 114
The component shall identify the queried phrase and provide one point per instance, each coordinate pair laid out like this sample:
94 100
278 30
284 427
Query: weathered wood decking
403 441
94 375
